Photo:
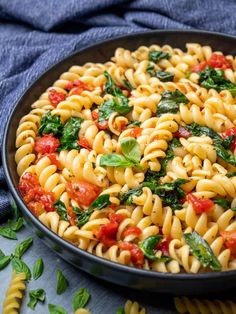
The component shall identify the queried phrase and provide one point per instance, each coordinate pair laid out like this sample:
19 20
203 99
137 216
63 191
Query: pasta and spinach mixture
134 160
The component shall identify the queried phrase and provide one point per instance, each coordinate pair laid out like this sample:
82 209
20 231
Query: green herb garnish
50 124
22 247
35 296
20 267
170 101
62 282
56 309
165 76
80 298
38 268
70 134
156 55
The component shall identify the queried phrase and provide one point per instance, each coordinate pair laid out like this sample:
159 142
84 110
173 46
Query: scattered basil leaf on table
4 261
35 296
22 247
38 268
61 210
62 282
165 76
50 124
20 267
170 101
224 203
56 309
70 134
16 225
80 298
148 246
1 254
202 251
7 232
120 311
156 55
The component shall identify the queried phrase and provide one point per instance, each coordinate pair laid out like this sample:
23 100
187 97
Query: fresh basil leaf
128 85
165 76
231 174
100 202
4 261
80 298
16 225
225 155
38 268
214 78
134 123
62 282
61 210
35 296
148 246
118 104
20 267
156 55
1 254
56 309
82 216
22 247
202 251
15 210
120 311
50 124
127 197
131 149
224 203
170 101
7 232
115 160
70 134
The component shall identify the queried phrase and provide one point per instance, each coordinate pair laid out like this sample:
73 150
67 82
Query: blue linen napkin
36 33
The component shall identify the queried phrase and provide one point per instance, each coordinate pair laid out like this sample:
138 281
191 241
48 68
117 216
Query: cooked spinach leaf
224 203
170 101
70 134
127 197
202 251
156 55
128 85
61 210
165 76
225 155
151 69
148 246
100 202
231 174
50 124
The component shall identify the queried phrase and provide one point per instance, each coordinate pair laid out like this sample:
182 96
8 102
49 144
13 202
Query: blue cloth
36 33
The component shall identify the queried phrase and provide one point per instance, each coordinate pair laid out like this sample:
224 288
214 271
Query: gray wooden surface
106 298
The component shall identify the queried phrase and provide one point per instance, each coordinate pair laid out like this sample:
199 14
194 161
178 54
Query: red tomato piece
122 126
54 160
36 208
47 144
77 87
55 97
199 67
107 234
84 143
83 192
95 115
200 205
27 182
117 218
103 125
229 240
47 199
137 256
230 132
218 61
34 194
182 132
132 230
112 206
72 216
164 246
136 132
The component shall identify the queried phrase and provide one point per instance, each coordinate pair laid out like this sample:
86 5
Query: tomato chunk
47 199
47 144
103 125
117 218
136 132
83 192
230 132
137 256
55 97
95 115
199 67
84 143
217 61
27 182
164 246
77 87
229 240
107 234
53 159
200 205
182 132
132 230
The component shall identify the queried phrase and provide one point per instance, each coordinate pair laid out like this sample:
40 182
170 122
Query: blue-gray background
36 33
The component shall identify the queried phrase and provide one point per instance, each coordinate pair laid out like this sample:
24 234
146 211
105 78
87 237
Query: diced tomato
54 160
199 67
27 182
103 125
229 240
200 205
182 200
55 97
164 246
117 218
47 144
122 126
230 132
95 115
107 234
47 199
182 132
77 87
136 132
132 230
218 61
137 256
72 216
36 208
83 192
112 206
84 143
34 194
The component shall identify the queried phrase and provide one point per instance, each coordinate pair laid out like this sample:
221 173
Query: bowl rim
55 237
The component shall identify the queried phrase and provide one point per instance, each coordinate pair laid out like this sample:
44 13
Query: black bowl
104 269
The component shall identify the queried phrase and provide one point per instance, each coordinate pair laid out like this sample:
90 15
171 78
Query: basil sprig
202 251
38 268
35 297
131 155
80 298
22 247
62 282
170 101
